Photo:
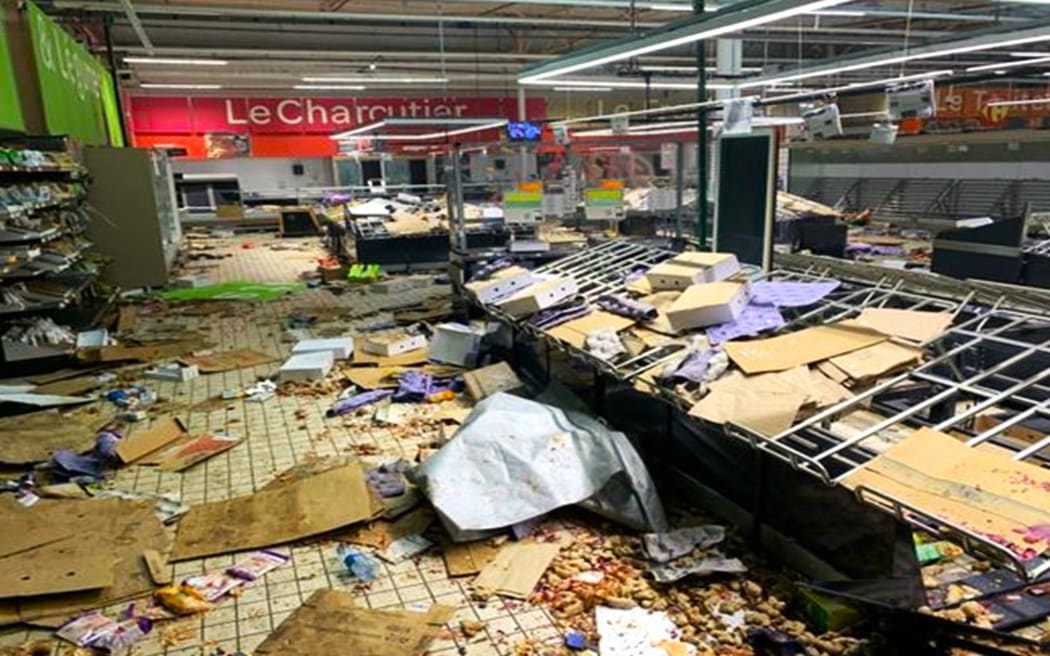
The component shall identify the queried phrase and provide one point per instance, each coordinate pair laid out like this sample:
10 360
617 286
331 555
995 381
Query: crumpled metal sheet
664 547
515 459
690 565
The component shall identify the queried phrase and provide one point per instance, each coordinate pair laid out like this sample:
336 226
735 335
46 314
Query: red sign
187 115
976 103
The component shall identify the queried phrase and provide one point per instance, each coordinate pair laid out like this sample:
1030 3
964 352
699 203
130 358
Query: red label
197 115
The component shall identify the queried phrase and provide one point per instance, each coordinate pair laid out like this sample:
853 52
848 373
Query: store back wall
269 173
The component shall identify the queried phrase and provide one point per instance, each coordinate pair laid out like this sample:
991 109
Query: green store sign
78 97
10 107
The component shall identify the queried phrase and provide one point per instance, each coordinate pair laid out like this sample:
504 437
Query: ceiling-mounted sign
561 134
71 82
620 124
10 107
912 100
668 156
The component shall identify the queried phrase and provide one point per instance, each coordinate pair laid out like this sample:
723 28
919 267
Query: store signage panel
70 81
603 204
189 115
522 206
10 107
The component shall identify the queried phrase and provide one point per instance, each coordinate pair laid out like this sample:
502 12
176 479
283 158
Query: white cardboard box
502 284
340 347
687 269
540 296
707 304
392 343
454 343
306 366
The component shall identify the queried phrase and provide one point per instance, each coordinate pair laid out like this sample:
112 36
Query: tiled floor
280 433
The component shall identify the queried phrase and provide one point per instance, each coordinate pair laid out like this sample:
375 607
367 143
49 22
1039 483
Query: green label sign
70 81
603 204
522 206
10 108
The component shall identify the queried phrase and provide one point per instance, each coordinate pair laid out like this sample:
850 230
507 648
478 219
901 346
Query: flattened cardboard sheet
381 533
802 347
35 437
467 558
329 622
67 565
983 489
575 332
141 443
290 511
876 360
227 360
198 449
419 356
913 325
516 569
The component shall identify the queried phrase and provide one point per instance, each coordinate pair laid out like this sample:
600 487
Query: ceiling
463 47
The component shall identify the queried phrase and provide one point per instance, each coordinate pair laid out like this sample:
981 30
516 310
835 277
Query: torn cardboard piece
70 386
516 569
290 511
118 528
418 356
913 325
183 456
227 360
381 533
329 622
485 382
150 353
876 360
799 348
35 437
765 413
68 565
467 558
981 488
142 443
575 332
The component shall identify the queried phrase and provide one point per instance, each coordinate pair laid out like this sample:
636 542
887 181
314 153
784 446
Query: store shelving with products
45 265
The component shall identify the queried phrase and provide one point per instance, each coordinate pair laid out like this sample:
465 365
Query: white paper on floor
638 632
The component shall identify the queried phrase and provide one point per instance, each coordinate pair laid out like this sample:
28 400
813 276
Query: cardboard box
341 348
484 382
540 296
389 344
707 304
454 343
502 284
306 366
332 274
692 268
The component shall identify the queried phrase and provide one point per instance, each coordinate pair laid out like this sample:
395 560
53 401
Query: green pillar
701 144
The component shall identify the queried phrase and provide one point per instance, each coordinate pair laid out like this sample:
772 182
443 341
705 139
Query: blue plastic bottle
363 567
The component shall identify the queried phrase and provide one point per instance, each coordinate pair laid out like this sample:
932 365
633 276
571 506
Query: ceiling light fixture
1012 103
1030 53
585 89
329 87
473 125
659 6
379 80
838 12
175 61
201 87
985 42
999 66
717 25
621 84
693 69
862 85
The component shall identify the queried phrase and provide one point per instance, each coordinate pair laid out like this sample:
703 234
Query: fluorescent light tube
886 61
861 85
380 80
700 35
622 84
174 61
329 87
147 85
667 7
1014 64
693 69
838 12
585 89
1012 103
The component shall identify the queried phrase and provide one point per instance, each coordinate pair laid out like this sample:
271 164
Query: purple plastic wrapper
753 320
70 465
358 401
106 445
694 367
627 307
417 386
549 318
258 564
790 293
